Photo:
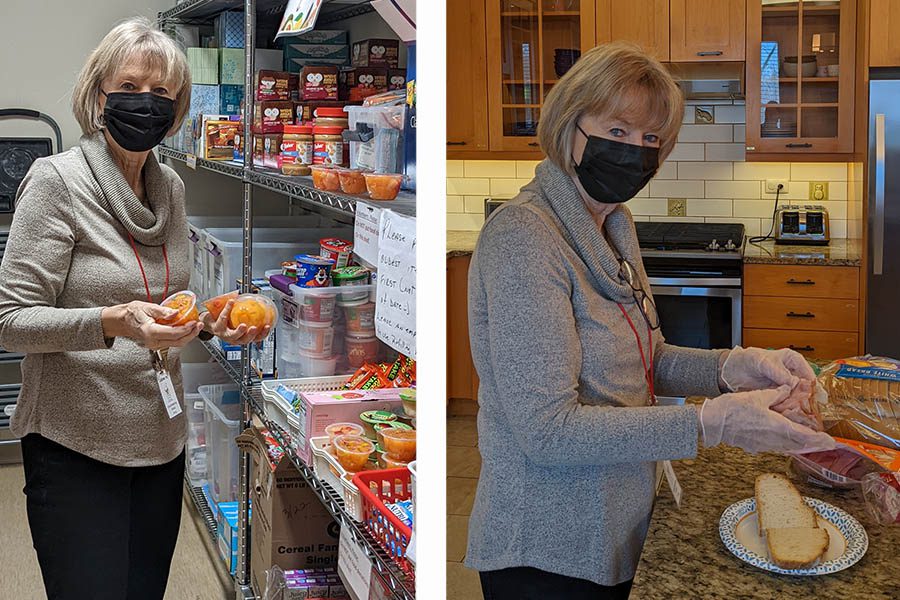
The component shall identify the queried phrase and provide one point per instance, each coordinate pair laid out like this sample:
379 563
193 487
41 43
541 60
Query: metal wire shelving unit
299 188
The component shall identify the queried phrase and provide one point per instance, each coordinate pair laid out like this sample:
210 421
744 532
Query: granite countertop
683 556
461 243
838 253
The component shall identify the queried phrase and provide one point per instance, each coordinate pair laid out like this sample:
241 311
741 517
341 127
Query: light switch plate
818 191
677 207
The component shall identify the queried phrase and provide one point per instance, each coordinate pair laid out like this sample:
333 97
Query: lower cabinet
462 380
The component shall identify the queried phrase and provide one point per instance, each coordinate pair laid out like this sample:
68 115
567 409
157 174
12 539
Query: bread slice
779 505
796 547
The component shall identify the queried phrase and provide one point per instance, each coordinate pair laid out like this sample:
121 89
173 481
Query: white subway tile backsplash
762 170
819 171
705 170
455 204
733 152
473 204
468 187
678 219
706 133
740 133
455 168
751 226
837 190
465 222
709 102
854 229
648 206
837 228
640 218
705 207
677 189
490 168
525 168
686 152
732 189
668 170
688 114
507 188
836 209
754 208
730 114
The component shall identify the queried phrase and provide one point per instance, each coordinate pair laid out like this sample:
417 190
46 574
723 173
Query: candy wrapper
881 492
399 374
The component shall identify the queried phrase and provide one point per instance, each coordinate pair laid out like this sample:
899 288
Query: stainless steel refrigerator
883 265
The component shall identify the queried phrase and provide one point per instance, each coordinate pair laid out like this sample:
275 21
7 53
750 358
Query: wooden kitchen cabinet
529 45
884 43
794 113
467 104
462 380
646 23
706 30
811 309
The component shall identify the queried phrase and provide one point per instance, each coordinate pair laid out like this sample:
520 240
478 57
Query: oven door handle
695 281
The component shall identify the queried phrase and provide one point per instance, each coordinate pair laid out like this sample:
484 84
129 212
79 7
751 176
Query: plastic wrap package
275 584
881 492
846 466
863 400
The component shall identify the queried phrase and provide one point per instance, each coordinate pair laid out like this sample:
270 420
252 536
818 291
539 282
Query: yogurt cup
315 340
317 308
337 250
350 277
315 366
360 317
408 398
313 271
361 348
370 417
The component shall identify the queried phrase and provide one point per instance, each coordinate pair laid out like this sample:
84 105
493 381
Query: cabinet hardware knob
456 143
806 315
711 53
793 281
533 144
794 145
806 348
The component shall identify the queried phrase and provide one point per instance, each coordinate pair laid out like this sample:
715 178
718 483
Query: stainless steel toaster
795 224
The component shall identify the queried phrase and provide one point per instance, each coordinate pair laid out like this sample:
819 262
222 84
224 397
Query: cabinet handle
806 315
711 53
533 144
795 282
456 143
806 145
806 348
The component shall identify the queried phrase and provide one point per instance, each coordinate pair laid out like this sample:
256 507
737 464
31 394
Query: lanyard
144 275
648 370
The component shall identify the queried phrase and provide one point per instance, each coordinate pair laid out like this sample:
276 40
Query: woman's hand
755 369
137 321
241 336
746 420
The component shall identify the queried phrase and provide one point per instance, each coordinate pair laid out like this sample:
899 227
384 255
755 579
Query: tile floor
463 467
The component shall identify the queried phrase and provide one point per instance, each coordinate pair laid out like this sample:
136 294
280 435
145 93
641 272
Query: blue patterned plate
848 540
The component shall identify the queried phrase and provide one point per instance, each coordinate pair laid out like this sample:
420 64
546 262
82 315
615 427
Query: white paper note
395 311
354 566
365 232
673 481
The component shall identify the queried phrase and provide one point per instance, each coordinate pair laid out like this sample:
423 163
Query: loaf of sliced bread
796 547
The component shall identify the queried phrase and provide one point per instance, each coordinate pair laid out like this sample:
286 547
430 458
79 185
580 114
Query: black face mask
138 121
612 172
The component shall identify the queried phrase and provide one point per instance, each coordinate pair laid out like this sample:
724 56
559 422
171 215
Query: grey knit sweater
568 443
67 257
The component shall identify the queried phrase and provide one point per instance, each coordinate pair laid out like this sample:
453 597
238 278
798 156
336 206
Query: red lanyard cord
144 274
648 370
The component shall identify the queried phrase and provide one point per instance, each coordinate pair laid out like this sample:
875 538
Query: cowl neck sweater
147 225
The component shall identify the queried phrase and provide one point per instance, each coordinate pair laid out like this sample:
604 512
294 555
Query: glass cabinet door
799 86
531 44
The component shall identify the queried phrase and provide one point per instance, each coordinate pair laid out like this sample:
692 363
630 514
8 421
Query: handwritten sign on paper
365 232
395 312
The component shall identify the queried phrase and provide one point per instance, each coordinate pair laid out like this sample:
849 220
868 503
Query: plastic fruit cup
386 461
352 181
360 318
351 277
336 429
400 443
371 417
316 339
379 427
313 271
353 451
408 398
317 308
216 305
337 250
326 178
316 366
383 186
253 310
185 303
361 348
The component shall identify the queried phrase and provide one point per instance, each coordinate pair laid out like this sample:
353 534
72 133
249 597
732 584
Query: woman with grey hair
99 238
567 344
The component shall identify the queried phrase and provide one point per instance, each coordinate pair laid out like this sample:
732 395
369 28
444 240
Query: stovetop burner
708 237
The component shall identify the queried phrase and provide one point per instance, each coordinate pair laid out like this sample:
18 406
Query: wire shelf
203 10
203 507
230 168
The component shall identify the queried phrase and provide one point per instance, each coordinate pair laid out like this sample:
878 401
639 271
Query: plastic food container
371 417
185 302
400 443
408 397
353 451
253 310
317 308
223 423
360 349
352 181
313 271
336 429
351 276
215 306
315 366
315 340
386 461
325 178
383 186
360 318
380 427
337 250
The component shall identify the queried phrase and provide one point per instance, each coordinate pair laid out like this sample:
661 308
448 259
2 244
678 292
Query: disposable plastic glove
746 420
756 369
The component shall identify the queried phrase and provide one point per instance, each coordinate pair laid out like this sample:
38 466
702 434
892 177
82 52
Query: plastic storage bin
377 488
223 424
193 375
384 151
329 470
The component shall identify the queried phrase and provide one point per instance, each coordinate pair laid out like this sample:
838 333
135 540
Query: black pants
527 583
101 531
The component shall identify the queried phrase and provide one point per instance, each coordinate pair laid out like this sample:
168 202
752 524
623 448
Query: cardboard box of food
376 53
319 82
326 51
272 116
272 85
291 527
318 36
358 83
267 150
219 138
396 79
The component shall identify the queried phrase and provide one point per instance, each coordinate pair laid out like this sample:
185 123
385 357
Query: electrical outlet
772 186
677 207
818 191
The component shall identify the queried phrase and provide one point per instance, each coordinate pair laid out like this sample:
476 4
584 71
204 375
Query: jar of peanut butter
328 146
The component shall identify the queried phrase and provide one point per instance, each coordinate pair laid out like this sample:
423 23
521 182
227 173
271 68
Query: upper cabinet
800 77
706 30
884 43
467 104
645 23
530 45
